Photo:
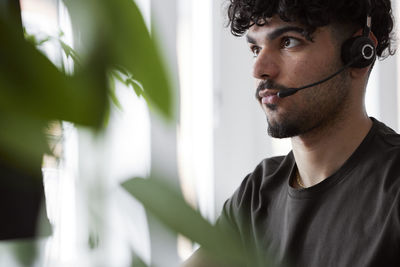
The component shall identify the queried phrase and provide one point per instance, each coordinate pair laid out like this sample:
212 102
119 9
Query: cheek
300 71
307 70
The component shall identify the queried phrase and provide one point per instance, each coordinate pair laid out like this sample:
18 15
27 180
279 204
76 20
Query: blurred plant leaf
22 139
120 25
92 87
170 208
30 84
70 52
112 92
42 41
137 87
25 251
93 240
137 262
33 39
116 74
126 78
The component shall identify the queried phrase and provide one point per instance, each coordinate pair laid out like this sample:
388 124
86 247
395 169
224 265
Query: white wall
240 139
163 135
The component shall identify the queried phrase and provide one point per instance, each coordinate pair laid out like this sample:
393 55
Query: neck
320 153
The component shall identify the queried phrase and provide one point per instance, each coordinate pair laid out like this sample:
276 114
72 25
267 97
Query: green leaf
93 240
70 52
113 77
129 81
137 87
33 91
120 26
25 251
171 209
92 88
22 140
42 41
116 74
30 84
30 37
137 262
134 49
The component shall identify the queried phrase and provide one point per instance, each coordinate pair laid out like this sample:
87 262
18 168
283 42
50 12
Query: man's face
286 57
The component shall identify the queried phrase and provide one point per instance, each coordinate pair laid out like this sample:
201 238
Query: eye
255 50
290 42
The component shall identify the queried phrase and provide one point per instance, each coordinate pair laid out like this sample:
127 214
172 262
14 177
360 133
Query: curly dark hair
312 14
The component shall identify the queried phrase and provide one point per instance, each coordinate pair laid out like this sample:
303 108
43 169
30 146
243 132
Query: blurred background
219 136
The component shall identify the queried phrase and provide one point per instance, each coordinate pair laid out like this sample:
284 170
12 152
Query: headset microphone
291 91
357 52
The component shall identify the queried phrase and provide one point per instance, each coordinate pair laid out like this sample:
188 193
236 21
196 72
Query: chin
283 129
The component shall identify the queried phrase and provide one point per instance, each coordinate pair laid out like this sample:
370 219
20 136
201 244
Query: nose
265 66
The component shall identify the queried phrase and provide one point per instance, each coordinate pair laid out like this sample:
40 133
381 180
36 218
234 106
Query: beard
320 106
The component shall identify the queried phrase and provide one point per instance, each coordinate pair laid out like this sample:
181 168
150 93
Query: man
334 200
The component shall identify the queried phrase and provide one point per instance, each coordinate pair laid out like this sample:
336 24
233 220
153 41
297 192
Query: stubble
320 107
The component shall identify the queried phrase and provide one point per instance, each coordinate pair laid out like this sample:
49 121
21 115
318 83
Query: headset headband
367 26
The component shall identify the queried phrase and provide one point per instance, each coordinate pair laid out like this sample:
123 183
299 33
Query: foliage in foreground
113 38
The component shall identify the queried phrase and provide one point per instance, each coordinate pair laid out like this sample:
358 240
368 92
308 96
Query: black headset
360 51
357 52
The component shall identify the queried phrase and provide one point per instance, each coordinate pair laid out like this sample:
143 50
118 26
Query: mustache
269 84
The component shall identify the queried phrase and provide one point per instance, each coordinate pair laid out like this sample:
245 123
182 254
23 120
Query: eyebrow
278 32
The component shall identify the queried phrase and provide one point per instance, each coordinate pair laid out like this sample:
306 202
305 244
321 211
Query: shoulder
380 149
269 175
386 135
384 151
267 178
383 158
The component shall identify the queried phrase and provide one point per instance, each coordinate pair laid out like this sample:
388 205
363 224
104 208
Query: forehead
274 27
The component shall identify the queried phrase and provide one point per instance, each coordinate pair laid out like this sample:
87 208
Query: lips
268 96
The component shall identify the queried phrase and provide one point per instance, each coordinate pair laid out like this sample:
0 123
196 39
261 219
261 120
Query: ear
357 72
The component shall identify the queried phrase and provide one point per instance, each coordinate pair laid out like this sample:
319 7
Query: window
85 203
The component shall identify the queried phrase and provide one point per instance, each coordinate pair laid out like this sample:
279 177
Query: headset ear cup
359 49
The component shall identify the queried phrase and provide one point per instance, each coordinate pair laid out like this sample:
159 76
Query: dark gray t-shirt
350 219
